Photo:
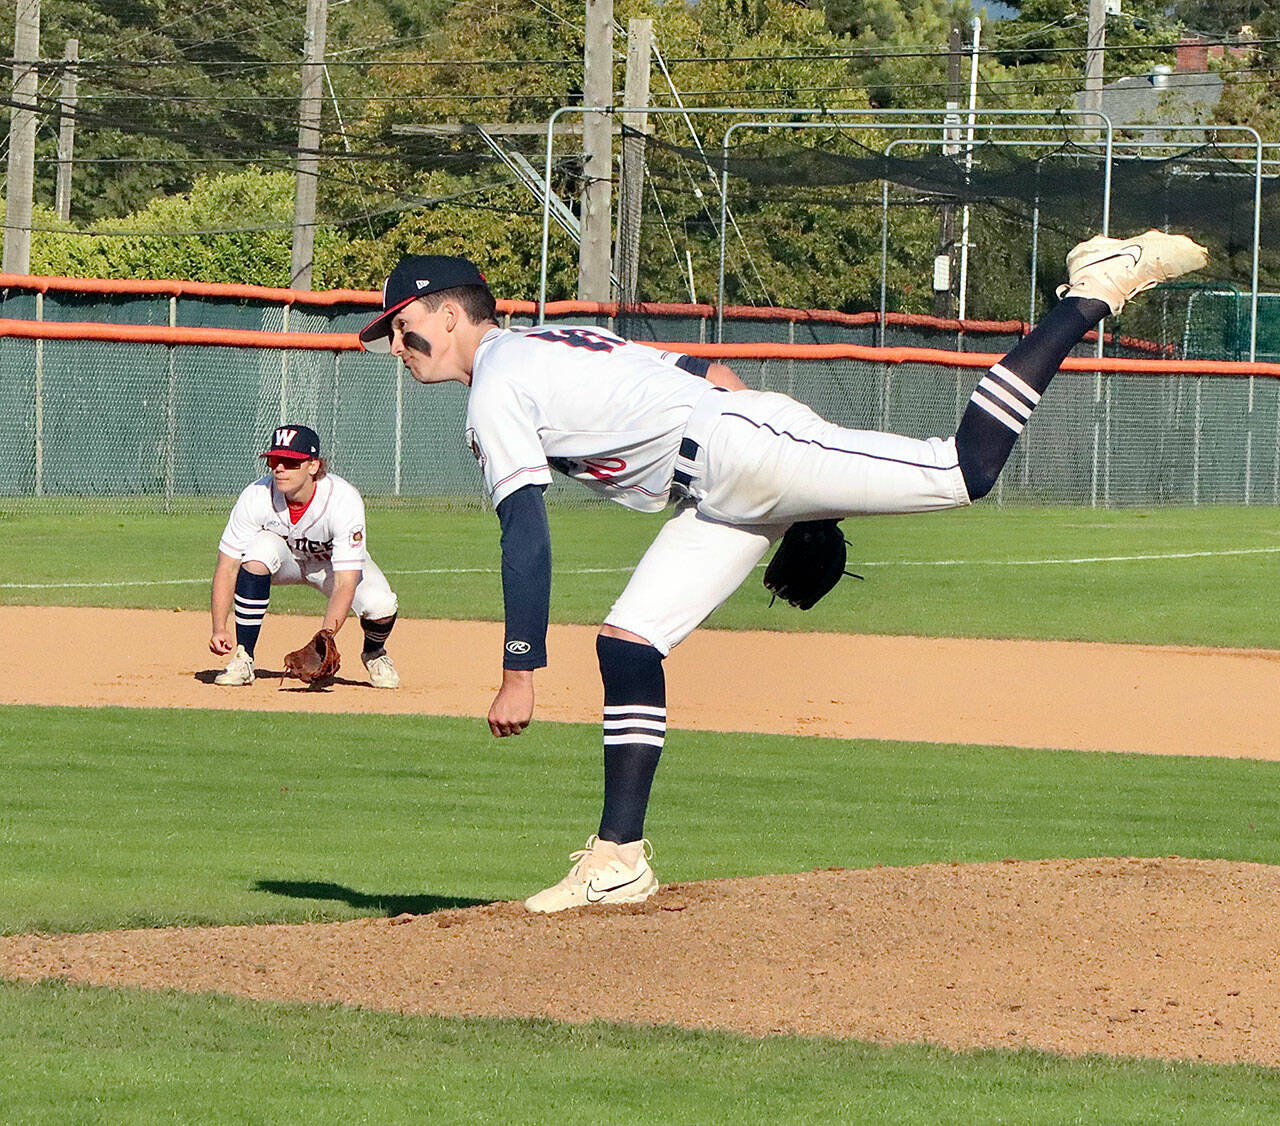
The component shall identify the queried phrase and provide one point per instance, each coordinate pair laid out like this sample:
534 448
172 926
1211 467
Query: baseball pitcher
742 468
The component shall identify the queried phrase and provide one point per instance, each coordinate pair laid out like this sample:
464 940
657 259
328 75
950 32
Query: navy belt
683 476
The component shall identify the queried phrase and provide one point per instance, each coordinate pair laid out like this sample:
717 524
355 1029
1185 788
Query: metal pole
171 417
968 166
284 367
67 128
884 256
1035 250
39 397
304 203
399 370
19 185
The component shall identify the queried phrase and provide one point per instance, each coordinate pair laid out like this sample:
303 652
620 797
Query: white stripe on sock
1017 383
996 412
634 709
621 740
991 387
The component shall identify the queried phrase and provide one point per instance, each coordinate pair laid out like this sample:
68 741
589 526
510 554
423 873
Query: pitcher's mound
1149 957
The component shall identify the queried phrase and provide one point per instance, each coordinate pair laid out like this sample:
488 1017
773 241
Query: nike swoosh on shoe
602 892
1134 252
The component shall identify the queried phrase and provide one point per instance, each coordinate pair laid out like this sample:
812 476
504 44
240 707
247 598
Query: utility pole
304 200
943 298
626 254
22 139
67 127
597 144
1095 50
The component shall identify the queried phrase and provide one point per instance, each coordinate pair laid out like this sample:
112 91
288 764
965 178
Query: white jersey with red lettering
603 410
330 531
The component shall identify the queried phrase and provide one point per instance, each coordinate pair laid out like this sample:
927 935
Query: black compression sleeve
695 365
526 577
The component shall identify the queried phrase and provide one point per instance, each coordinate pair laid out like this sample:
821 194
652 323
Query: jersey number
576 338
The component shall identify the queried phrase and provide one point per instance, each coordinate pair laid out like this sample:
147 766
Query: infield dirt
1157 957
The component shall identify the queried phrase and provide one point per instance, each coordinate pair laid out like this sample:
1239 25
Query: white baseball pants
374 598
753 463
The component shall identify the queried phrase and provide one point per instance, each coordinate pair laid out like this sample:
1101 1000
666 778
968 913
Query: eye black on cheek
417 343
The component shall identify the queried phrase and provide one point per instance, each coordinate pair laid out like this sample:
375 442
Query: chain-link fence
170 424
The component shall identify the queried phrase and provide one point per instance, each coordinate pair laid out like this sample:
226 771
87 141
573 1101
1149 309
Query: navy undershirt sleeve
526 577
694 365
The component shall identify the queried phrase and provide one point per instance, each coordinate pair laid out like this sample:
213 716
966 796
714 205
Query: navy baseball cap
292 440
415 276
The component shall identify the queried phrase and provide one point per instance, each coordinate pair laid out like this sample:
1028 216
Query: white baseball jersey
331 530
603 410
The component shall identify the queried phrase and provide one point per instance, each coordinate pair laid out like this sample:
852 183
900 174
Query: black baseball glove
809 561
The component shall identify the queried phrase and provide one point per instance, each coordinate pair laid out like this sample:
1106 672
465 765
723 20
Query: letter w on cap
285 436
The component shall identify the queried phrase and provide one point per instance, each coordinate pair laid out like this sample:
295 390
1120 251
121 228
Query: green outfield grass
122 817
1154 575
97 1056
128 817
119 817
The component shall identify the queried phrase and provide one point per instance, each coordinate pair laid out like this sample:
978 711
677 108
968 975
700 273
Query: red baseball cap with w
415 276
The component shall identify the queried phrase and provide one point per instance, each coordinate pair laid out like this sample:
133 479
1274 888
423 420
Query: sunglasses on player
276 462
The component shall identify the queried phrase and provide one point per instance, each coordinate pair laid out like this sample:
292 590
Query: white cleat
382 671
603 872
1115 269
239 669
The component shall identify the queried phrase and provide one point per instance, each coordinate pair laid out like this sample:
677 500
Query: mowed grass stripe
121 817
1160 576
106 1056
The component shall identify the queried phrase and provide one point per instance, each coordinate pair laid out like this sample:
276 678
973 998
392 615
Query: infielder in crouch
298 524
647 428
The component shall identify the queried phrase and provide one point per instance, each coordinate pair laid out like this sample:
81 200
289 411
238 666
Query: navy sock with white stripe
635 727
1008 393
376 632
253 594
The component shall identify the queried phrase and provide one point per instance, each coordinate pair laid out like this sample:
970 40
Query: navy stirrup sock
1005 397
635 726
253 594
376 632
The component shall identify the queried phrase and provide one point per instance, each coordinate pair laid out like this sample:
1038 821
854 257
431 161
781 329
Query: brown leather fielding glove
317 662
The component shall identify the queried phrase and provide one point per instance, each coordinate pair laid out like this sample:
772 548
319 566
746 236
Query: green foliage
173 95
230 227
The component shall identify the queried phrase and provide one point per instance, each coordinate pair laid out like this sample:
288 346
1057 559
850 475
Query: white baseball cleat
239 669
603 872
382 671
1114 269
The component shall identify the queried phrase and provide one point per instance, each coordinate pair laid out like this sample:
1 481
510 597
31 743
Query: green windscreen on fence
113 420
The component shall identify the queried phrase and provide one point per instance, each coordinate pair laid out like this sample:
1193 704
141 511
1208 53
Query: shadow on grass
389 905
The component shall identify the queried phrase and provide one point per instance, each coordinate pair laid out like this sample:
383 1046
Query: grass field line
1079 560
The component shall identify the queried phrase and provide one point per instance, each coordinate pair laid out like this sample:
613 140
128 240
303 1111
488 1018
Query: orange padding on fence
163 334
350 342
974 360
162 287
